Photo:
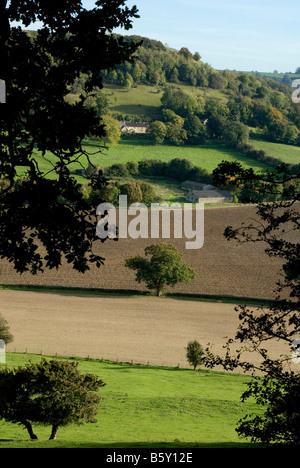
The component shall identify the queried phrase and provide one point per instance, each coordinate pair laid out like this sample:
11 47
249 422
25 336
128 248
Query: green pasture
141 101
139 147
149 407
286 153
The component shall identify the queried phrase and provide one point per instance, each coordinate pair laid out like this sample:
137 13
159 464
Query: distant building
189 185
133 127
209 196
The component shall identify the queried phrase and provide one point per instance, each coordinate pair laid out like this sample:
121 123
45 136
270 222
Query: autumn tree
158 132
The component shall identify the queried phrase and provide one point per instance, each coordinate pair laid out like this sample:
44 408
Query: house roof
133 124
211 194
193 184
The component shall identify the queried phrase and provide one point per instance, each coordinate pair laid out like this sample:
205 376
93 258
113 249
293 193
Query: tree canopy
51 393
38 122
163 268
5 333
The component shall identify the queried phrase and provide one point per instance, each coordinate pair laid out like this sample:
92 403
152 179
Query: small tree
164 268
5 333
158 131
194 353
48 393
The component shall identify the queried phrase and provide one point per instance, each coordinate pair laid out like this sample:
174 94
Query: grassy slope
286 153
146 100
146 406
208 156
136 148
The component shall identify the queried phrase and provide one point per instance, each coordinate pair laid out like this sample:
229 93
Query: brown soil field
224 268
139 329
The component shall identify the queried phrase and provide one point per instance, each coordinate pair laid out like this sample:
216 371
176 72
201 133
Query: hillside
285 78
192 112
135 90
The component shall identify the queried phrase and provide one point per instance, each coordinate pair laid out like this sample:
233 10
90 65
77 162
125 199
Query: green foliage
235 134
96 101
194 353
48 393
112 130
196 130
5 333
164 268
158 131
280 422
138 192
278 391
179 169
117 170
148 194
157 64
181 103
133 191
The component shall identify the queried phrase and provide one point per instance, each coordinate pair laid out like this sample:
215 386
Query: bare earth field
224 268
138 329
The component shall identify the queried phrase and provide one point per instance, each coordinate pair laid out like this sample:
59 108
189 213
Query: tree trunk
53 432
29 429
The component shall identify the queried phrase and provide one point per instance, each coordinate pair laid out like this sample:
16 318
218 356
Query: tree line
139 191
245 98
186 119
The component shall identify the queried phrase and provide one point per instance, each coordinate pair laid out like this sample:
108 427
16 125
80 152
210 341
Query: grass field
139 147
149 407
136 148
286 153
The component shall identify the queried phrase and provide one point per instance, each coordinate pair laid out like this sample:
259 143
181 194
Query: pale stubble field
138 329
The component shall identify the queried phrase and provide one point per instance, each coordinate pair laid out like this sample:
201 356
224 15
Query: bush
117 170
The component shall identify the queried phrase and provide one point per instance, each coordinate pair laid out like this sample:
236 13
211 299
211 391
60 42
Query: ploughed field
224 268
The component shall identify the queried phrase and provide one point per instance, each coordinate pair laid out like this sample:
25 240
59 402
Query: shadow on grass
130 447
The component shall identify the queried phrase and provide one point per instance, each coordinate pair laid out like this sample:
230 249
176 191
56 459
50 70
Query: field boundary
133 292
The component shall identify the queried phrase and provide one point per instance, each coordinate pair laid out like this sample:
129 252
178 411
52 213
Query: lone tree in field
51 393
5 333
164 267
194 353
45 217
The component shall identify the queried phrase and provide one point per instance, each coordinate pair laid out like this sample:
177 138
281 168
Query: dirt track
138 329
